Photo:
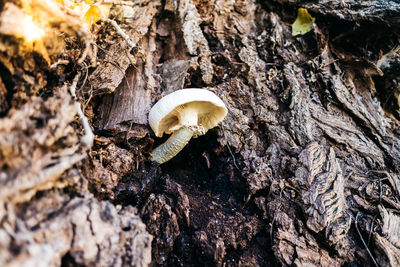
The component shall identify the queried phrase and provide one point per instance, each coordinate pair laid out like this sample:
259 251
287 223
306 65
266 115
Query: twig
59 62
391 202
273 221
229 148
85 79
93 55
327 64
380 191
121 32
362 240
102 49
89 98
121 3
72 89
127 132
378 171
234 159
87 139
371 227
85 52
287 185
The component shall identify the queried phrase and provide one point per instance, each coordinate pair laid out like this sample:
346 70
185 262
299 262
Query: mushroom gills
172 146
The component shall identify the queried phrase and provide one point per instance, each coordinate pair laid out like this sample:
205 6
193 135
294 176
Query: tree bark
304 170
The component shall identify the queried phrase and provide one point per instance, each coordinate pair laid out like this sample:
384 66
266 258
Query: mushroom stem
172 146
188 115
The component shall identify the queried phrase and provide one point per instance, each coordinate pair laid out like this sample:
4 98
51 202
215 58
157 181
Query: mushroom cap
165 113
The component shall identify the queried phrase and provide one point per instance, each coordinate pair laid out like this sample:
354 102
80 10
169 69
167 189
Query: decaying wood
30 159
304 171
83 229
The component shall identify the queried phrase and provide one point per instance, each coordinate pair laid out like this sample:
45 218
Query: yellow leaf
96 12
92 15
303 23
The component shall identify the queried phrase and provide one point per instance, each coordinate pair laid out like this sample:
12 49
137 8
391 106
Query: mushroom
185 113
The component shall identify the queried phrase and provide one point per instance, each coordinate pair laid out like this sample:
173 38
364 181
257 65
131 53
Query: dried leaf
122 12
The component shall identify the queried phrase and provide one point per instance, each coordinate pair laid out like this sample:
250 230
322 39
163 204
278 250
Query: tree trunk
303 171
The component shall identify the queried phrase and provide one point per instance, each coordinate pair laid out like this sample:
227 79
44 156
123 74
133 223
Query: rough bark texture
304 170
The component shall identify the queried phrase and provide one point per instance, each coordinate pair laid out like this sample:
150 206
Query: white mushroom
185 113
